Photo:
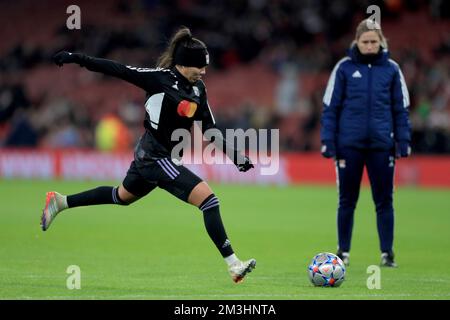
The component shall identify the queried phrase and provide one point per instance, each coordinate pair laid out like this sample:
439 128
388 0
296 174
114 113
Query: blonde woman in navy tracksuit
365 123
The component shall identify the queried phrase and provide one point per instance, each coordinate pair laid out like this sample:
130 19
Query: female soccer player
365 123
176 97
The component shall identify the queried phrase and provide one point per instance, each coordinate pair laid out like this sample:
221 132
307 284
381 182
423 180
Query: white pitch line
162 297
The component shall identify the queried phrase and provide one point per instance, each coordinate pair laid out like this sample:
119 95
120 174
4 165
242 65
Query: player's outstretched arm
137 76
242 162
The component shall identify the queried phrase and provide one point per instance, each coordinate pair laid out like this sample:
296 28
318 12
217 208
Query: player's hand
328 149
403 149
63 57
244 163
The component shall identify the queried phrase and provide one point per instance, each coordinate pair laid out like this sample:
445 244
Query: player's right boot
345 257
239 269
387 260
51 209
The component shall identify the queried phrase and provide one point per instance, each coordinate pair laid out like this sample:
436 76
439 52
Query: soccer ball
326 270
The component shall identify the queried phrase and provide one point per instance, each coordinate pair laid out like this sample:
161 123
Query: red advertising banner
426 171
292 168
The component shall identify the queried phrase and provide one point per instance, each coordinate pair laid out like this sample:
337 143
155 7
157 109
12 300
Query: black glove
243 163
403 149
328 149
63 57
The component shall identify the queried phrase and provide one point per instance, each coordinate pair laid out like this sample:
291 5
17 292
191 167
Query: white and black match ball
326 270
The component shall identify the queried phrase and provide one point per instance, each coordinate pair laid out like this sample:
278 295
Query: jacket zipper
369 103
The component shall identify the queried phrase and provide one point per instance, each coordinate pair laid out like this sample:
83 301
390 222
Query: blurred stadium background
271 60
270 64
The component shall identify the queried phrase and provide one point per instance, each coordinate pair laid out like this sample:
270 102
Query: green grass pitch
158 248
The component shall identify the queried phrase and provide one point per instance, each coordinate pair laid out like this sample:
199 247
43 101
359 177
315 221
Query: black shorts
142 178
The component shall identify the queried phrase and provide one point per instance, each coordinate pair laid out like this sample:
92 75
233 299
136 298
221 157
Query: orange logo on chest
186 108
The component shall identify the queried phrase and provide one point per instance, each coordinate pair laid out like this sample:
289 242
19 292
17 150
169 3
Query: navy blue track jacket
366 105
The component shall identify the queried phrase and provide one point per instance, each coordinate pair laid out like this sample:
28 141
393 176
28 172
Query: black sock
214 225
100 195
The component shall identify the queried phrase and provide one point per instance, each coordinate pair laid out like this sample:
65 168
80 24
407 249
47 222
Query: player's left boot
344 256
387 260
239 269
52 208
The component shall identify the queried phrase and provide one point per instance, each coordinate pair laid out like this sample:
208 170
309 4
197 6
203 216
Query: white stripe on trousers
168 168
170 165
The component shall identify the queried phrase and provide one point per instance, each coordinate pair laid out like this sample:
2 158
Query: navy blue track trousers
380 165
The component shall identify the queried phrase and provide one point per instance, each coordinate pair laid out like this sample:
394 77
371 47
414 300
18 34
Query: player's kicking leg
55 202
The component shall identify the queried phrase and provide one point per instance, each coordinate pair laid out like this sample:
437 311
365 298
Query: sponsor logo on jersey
187 108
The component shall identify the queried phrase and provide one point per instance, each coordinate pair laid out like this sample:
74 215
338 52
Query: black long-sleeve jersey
172 102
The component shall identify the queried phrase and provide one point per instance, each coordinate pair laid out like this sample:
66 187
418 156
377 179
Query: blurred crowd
297 41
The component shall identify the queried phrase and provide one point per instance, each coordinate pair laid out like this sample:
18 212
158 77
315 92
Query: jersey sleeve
208 122
144 78
400 107
205 114
332 102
